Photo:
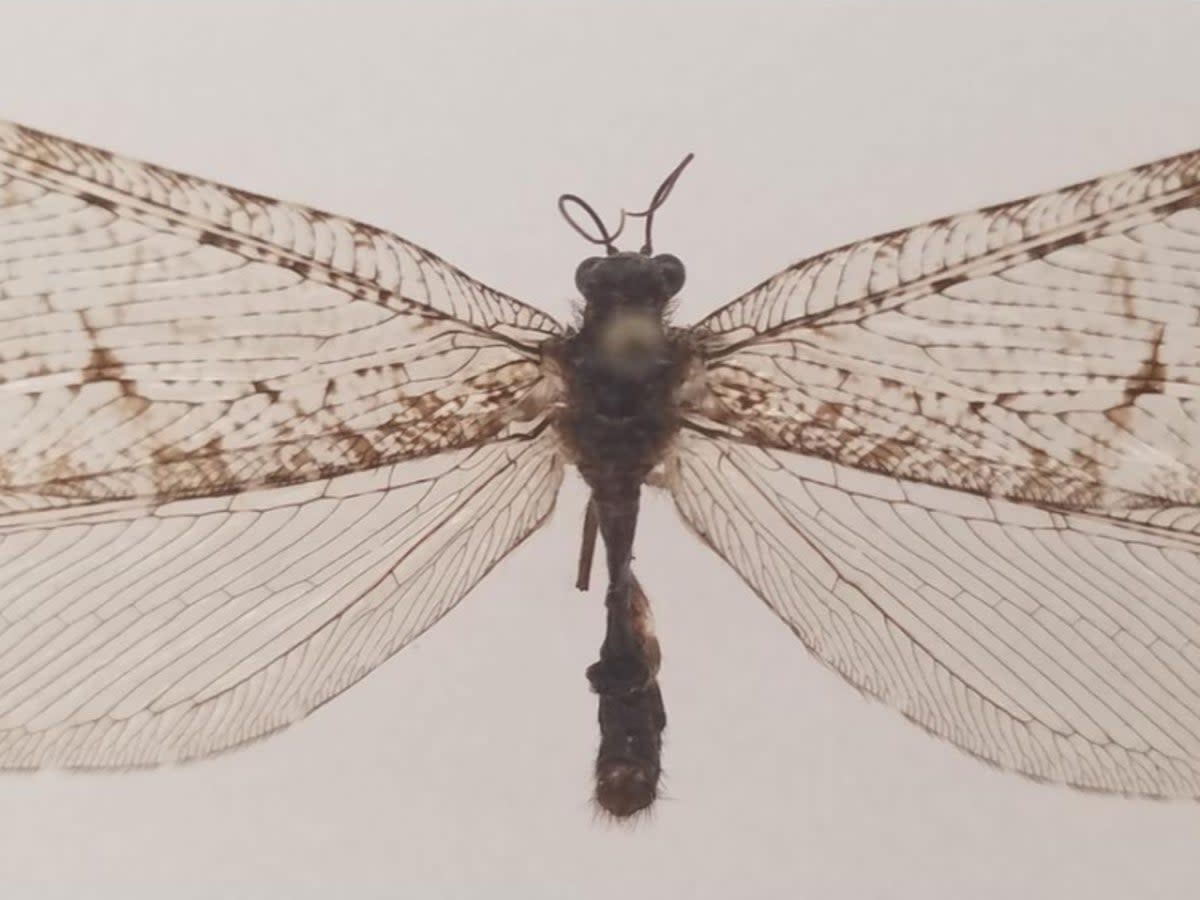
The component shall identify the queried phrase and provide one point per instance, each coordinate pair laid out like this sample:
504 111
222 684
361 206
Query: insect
250 450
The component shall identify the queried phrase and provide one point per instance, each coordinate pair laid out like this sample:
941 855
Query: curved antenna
604 239
659 198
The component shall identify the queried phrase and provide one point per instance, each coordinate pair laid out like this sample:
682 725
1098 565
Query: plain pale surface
461 768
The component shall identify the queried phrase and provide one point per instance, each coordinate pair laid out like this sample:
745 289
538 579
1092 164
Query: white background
461 768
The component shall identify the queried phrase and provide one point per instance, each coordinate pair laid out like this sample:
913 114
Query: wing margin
949 608
141 636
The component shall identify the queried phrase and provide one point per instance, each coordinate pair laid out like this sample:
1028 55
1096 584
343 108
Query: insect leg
588 550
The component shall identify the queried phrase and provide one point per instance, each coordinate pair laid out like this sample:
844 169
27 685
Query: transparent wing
247 451
992 517
1061 645
163 336
1047 351
132 635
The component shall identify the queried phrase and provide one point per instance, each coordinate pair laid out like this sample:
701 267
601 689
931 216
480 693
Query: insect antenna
659 198
603 238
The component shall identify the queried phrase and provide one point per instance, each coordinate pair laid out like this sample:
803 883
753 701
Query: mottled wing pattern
247 451
962 462
132 636
1045 350
162 336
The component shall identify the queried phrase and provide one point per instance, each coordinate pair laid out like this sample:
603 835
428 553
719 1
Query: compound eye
671 270
585 275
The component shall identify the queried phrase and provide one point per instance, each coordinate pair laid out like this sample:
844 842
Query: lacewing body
249 450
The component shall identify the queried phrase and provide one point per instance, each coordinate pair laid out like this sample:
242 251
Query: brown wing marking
1047 351
132 636
165 337
887 270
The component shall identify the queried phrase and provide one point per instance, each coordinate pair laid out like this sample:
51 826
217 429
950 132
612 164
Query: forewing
1047 351
162 336
133 635
1061 645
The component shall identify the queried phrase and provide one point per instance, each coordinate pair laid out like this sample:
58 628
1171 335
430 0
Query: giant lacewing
249 450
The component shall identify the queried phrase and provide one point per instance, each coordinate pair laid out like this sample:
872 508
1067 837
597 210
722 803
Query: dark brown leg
586 552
